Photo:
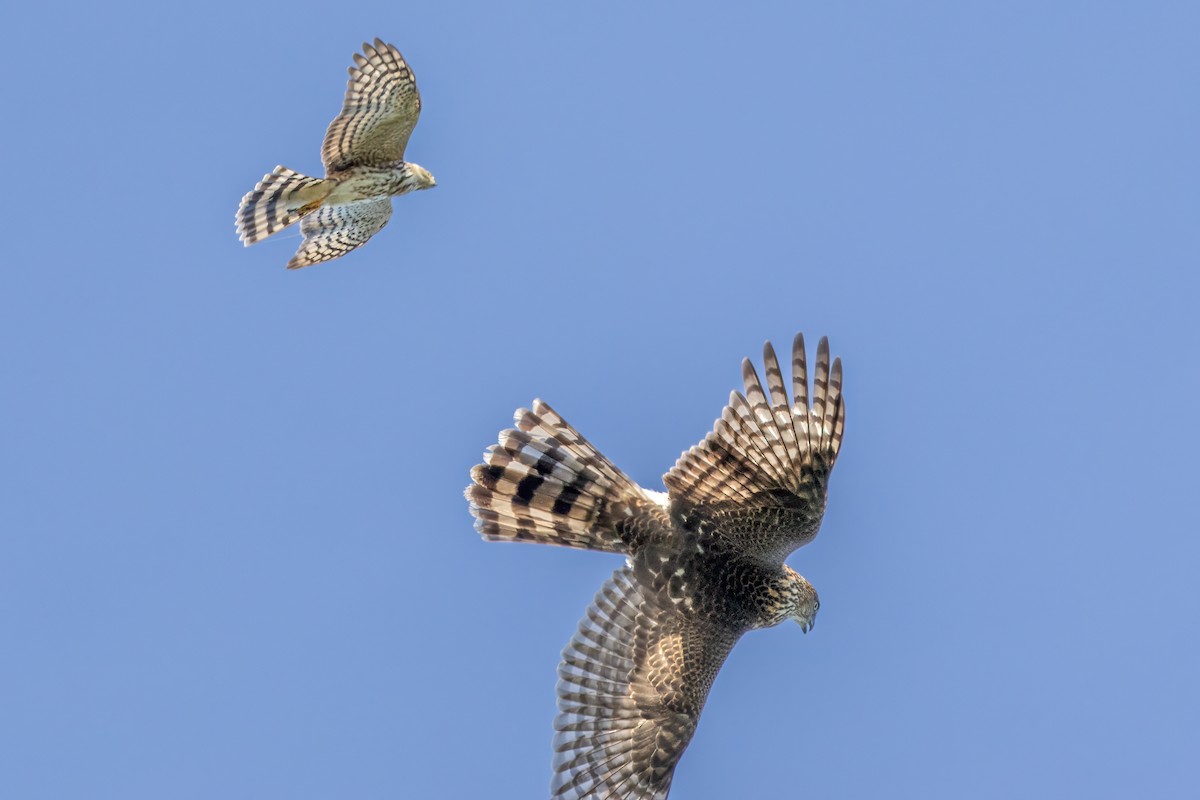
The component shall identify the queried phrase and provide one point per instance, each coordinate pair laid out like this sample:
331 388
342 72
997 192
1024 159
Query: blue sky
235 560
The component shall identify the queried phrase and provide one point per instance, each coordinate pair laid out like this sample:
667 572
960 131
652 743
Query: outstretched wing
334 230
632 683
760 477
380 111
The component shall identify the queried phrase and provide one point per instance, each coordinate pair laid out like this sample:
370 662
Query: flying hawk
364 163
704 562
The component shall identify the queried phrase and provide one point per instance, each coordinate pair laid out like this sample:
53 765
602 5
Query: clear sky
235 561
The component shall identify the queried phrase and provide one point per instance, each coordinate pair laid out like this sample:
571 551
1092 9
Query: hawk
704 562
364 163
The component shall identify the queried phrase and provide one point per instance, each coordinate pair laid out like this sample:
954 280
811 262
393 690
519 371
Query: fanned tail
280 199
545 483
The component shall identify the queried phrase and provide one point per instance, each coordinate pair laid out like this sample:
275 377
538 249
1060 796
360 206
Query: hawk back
759 477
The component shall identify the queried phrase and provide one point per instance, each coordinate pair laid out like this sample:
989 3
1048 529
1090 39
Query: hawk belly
360 183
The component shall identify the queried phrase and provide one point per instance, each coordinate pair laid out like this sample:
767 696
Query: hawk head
420 177
792 597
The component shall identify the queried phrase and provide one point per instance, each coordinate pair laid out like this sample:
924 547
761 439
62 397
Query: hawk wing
759 478
380 111
334 230
632 683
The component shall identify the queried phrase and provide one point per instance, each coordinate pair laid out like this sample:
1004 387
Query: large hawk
704 562
364 163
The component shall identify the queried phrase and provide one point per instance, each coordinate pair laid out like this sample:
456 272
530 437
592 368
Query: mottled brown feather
379 112
704 563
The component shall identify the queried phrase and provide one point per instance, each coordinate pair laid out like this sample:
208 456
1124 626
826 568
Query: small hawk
364 163
704 562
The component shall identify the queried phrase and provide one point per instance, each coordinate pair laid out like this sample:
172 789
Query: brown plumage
704 562
364 163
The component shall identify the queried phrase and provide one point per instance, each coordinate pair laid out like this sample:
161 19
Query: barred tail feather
280 199
543 482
